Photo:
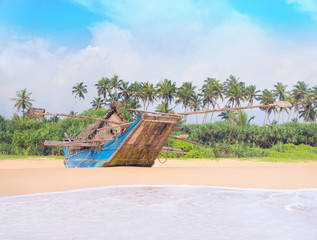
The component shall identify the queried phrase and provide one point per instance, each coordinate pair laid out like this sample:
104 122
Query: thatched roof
91 130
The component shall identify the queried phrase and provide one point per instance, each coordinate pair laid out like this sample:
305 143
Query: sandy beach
27 176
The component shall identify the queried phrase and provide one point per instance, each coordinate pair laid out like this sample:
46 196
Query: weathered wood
159 113
144 142
35 113
69 144
169 149
278 104
40 113
112 127
185 140
90 143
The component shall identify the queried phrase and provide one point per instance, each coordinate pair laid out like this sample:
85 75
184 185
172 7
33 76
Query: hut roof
90 131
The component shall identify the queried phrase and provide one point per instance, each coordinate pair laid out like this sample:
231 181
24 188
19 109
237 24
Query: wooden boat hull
139 145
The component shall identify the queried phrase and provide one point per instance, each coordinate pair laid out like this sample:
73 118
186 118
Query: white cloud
305 5
309 6
203 39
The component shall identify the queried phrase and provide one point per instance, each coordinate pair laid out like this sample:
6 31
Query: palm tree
207 98
299 92
267 98
163 107
80 89
125 93
241 118
185 95
292 101
314 96
23 100
195 104
225 115
308 110
166 90
103 87
234 91
251 95
115 84
148 94
136 88
280 93
97 103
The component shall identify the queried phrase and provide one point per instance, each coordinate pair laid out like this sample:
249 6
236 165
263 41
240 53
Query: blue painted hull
98 156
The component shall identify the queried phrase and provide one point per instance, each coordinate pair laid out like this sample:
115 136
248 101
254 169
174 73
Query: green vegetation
22 136
232 137
253 135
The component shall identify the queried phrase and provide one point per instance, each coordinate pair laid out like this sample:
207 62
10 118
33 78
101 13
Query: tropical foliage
234 136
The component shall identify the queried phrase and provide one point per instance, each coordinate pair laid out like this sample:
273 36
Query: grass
7 157
282 153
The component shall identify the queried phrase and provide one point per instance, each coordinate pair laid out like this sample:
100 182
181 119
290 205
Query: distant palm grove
232 92
234 136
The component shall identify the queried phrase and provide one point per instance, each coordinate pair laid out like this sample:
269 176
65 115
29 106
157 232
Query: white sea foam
161 212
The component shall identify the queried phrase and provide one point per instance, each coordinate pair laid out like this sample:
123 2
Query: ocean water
161 212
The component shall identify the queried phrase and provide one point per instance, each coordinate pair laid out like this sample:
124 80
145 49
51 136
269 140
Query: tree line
231 93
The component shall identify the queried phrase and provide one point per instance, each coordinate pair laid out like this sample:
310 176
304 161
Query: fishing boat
111 141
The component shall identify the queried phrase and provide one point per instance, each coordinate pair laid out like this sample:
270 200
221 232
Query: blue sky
48 46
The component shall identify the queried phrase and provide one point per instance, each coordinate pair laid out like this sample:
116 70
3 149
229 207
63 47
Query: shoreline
29 176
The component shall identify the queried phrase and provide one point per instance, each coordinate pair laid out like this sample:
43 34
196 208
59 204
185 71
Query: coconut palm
195 104
80 89
234 91
97 103
207 98
23 100
163 107
103 87
166 90
308 110
251 95
280 94
225 115
314 96
136 89
241 118
292 101
299 92
267 98
115 84
125 93
148 94
185 95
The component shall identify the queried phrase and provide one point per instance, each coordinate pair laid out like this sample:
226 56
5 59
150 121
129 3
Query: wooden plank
158 113
69 144
185 140
40 112
278 104
170 149
111 127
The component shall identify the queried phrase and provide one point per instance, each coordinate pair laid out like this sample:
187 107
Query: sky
49 46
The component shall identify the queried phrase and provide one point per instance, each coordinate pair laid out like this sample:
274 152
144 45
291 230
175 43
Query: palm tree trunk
300 105
278 118
290 113
265 117
185 118
74 104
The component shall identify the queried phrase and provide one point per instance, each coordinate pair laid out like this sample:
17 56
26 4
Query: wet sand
27 176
